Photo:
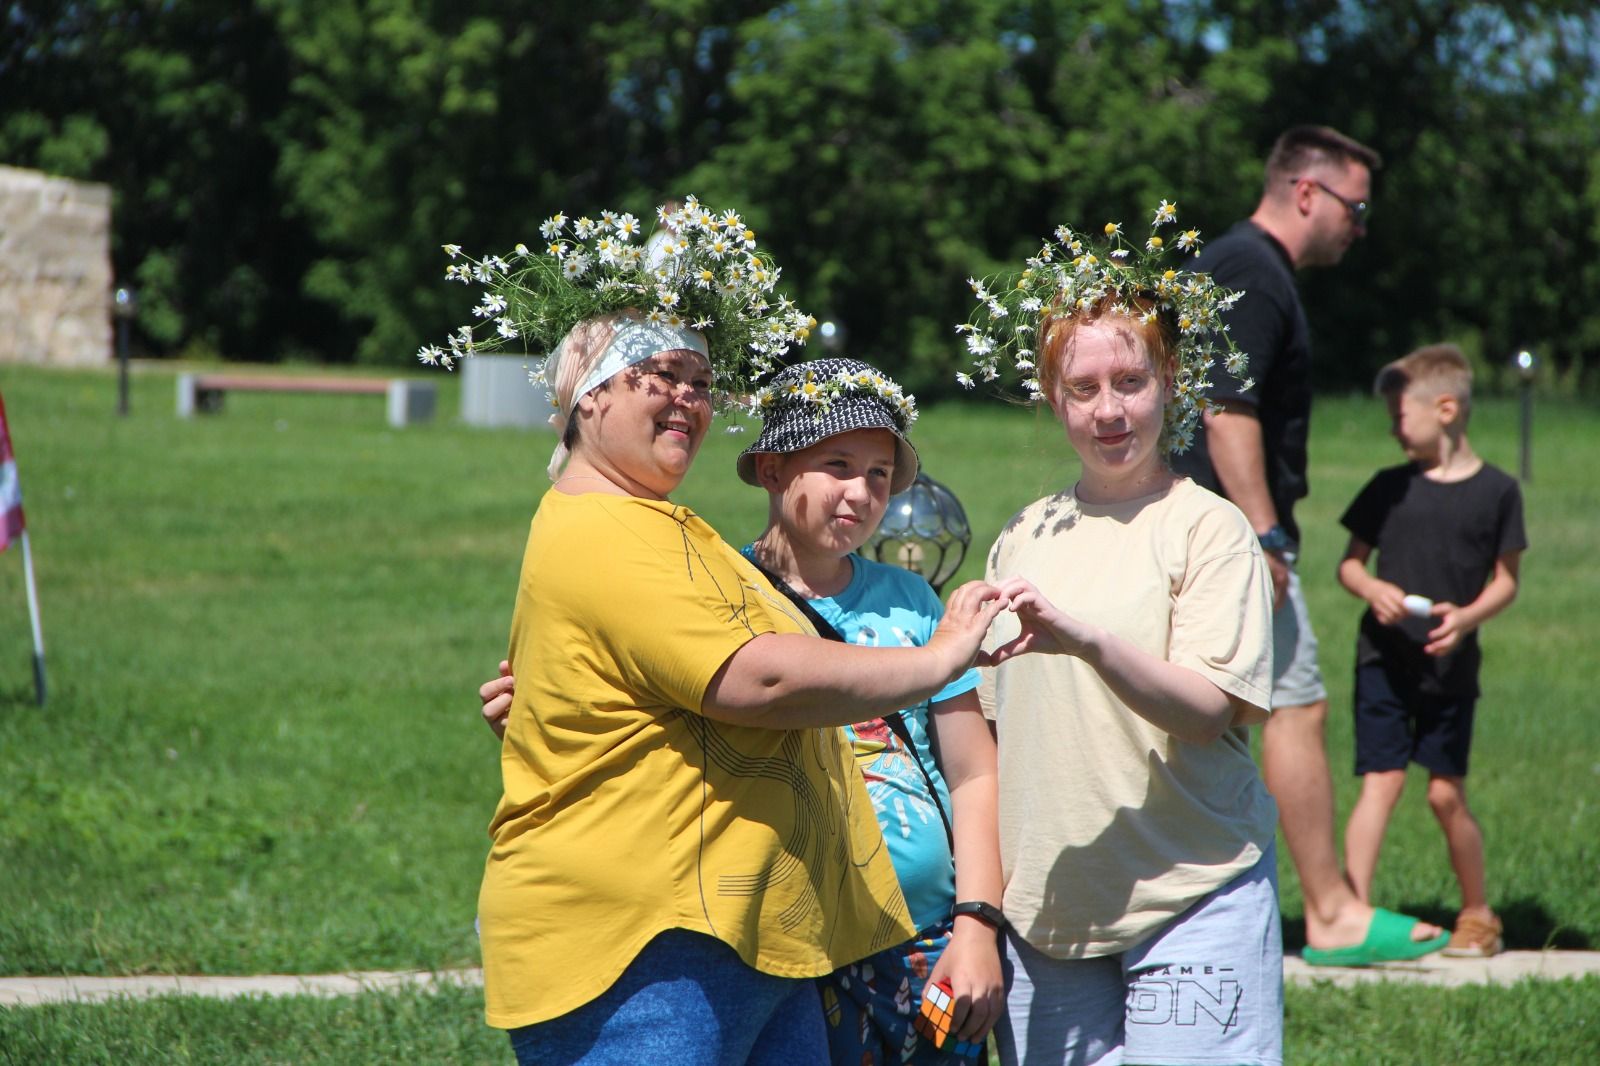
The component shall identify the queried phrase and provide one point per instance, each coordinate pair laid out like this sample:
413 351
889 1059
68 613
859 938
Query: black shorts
1396 724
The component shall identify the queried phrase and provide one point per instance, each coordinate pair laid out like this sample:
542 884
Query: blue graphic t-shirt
888 607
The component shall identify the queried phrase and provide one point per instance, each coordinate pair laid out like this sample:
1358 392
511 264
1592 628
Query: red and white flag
11 522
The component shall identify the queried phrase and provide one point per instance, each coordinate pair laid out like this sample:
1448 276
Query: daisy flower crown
820 390
699 269
1075 272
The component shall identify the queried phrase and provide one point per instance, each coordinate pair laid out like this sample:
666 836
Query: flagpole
33 617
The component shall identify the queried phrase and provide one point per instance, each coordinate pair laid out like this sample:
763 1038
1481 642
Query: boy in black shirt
1448 532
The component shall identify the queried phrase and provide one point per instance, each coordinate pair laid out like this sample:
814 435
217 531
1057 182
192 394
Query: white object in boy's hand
1418 606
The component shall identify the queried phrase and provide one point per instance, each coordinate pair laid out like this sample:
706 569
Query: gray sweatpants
1207 988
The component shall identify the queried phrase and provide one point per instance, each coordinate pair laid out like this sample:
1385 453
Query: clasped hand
1387 601
1045 627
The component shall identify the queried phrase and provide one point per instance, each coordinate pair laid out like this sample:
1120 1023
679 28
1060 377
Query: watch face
1275 540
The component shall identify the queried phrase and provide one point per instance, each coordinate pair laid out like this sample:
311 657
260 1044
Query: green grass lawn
1550 1022
265 631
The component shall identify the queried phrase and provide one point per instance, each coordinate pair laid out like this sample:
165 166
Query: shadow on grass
1528 927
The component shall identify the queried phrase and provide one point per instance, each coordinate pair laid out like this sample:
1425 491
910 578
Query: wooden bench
410 400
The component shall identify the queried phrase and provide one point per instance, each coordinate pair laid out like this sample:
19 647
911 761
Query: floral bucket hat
809 402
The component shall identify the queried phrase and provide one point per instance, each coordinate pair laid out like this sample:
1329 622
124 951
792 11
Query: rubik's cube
935 1019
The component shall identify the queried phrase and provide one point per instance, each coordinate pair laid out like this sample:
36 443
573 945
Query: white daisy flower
553 225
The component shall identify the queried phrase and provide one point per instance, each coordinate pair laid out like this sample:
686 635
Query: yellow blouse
626 812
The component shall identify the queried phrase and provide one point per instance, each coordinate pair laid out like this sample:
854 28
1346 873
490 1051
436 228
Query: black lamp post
124 305
1526 365
924 530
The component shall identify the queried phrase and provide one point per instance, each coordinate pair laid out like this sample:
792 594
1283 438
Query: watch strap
1277 540
986 912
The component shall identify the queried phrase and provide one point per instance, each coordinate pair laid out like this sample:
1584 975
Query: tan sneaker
1475 937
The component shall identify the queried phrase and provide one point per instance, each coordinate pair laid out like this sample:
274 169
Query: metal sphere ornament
925 531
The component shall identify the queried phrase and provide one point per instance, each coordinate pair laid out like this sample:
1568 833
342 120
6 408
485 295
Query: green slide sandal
1388 940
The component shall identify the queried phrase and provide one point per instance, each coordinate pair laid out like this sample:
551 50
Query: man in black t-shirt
1253 451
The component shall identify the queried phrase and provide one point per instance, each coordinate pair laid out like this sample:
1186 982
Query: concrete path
34 991
1507 968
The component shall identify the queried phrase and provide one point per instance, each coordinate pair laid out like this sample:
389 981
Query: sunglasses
1359 209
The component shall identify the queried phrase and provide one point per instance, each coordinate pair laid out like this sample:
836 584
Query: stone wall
55 270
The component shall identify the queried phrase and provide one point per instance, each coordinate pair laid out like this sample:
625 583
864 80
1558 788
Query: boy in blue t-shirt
831 452
1449 535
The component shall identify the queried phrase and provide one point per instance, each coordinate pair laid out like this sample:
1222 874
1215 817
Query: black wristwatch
1277 541
986 912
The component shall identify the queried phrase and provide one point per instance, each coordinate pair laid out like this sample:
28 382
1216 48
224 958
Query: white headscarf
581 364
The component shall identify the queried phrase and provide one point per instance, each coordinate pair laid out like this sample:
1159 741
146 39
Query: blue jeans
686 998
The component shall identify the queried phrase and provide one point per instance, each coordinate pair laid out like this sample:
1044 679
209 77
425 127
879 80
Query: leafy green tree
285 172
170 104
895 147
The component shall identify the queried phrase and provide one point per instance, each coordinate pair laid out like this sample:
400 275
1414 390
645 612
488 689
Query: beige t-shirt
1109 826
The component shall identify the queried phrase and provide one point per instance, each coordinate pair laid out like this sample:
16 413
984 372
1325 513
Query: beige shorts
1296 678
